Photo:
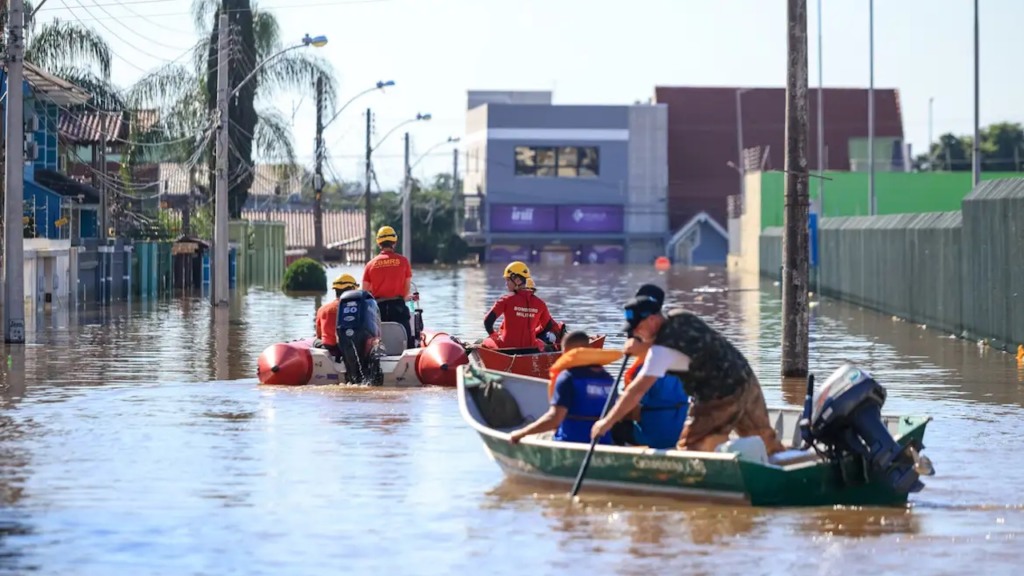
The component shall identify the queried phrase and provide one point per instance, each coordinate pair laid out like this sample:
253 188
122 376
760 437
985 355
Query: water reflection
653 524
134 438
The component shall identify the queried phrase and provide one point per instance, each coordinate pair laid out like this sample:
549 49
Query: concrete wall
647 172
748 258
960 271
475 98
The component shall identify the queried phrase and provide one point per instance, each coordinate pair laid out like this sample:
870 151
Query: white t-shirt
661 359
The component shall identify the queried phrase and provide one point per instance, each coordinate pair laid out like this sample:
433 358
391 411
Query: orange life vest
580 357
632 372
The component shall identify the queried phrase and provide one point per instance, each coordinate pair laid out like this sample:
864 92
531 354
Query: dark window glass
561 162
589 161
546 162
526 161
568 161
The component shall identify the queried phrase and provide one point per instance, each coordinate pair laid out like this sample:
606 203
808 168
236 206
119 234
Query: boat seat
793 456
393 337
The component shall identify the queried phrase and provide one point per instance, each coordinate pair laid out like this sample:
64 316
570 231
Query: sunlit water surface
135 440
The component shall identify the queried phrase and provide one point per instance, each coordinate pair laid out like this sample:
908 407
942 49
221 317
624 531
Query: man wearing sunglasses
725 394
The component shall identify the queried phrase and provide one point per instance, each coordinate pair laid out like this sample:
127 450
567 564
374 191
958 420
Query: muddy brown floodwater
135 440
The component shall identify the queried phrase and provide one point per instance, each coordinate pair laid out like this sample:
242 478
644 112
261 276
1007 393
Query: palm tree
70 51
186 93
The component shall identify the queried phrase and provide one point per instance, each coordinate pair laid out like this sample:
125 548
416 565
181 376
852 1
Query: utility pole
872 204
186 215
795 242
931 155
407 205
318 177
455 172
821 121
976 161
741 165
219 270
368 249
14 174
105 216
456 192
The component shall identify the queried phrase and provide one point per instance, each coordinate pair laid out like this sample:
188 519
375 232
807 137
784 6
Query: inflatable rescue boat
374 353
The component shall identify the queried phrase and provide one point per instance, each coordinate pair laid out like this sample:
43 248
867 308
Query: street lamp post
407 192
872 207
741 164
219 267
420 117
381 85
976 155
321 151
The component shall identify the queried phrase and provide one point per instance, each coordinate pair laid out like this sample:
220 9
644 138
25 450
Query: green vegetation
305 275
1002 149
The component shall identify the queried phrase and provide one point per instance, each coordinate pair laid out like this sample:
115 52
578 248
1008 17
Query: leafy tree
433 217
1002 146
69 50
186 94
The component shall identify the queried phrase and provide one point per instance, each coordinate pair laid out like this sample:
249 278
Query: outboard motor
845 417
359 337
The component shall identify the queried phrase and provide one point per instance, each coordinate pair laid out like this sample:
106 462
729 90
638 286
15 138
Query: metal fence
961 271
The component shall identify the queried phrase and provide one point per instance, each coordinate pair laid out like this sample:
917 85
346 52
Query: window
560 162
525 161
547 164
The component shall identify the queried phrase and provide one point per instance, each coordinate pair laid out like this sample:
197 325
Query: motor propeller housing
845 417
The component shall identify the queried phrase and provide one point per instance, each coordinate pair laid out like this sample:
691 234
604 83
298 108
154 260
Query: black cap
652 291
638 308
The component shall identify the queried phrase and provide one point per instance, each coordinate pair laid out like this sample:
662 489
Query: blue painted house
56 207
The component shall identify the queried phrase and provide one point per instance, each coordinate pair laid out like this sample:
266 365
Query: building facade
709 126
564 184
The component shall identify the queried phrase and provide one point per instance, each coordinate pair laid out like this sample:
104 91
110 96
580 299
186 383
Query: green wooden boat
792 478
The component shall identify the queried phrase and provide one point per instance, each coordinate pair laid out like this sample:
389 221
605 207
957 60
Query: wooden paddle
593 443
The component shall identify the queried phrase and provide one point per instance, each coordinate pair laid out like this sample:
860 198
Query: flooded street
135 440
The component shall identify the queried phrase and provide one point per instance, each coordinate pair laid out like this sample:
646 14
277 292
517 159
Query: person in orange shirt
387 277
327 316
525 314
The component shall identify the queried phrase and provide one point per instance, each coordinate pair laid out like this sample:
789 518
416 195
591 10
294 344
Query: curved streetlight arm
380 86
418 118
429 150
306 41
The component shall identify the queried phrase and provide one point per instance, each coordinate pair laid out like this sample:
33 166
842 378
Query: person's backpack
497 405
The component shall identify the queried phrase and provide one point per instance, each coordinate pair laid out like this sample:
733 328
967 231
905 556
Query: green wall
846 194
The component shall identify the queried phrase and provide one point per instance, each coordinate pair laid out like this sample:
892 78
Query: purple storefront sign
590 219
522 218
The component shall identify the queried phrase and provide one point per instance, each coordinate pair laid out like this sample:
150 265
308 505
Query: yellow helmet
530 285
386 234
344 282
517 268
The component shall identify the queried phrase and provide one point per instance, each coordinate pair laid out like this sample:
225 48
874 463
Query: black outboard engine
359 337
845 417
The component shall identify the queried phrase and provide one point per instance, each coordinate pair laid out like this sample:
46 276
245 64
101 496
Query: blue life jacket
590 392
663 411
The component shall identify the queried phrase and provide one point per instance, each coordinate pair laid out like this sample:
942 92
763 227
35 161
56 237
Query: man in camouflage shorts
725 394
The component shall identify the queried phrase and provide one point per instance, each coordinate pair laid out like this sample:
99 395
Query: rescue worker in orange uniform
327 316
525 314
550 338
387 277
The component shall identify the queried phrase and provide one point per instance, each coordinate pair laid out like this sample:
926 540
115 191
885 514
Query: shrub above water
305 275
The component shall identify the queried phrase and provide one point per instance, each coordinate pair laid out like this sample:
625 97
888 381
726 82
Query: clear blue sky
591 52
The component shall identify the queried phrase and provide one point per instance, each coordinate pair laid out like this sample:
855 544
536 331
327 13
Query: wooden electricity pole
795 242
